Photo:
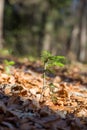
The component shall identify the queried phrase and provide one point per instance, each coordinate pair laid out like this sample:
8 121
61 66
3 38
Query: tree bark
83 32
48 36
1 22
42 32
71 46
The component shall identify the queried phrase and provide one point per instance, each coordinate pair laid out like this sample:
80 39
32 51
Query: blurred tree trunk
1 22
71 46
48 40
82 31
76 43
44 17
42 31
48 37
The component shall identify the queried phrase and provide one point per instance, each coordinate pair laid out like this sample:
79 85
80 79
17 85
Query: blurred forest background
27 27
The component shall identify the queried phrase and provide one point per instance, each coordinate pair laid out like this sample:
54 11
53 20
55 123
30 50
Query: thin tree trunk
83 32
77 41
42 32
1 22
71 45
48 35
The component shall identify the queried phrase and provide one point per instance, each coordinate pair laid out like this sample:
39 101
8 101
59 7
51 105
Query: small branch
44 75
44 79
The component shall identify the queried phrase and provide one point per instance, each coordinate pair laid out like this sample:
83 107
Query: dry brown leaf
34 90
7 89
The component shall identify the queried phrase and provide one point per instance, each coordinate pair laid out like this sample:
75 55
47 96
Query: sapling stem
44 79
44 75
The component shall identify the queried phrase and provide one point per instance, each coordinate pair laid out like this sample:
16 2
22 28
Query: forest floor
62 107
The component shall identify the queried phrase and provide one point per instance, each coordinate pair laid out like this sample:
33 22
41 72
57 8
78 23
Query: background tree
1 22
77 42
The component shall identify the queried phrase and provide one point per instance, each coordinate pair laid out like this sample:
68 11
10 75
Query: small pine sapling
50 60
8 66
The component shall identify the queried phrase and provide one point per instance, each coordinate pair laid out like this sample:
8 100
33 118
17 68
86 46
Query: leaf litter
63 106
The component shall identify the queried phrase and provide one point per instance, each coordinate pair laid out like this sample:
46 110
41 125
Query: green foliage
59 3
8 65
49 61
